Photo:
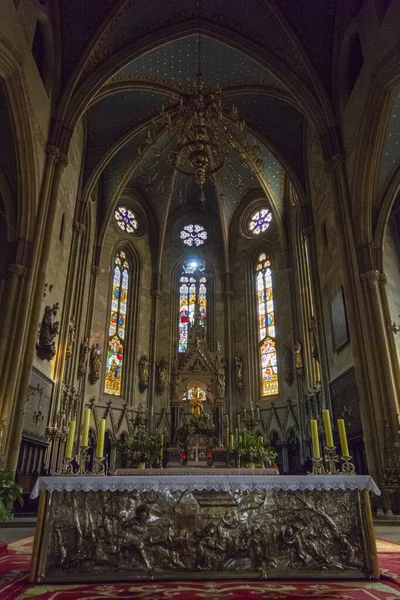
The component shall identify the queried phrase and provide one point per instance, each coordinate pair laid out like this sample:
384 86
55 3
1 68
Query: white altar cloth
214 479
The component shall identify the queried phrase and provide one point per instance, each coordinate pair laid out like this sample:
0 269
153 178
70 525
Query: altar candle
162 445
85 428
238 422
258 414
244 434
240 439
100 438
227 421
315 439
236 434
227 436
232 441
328 428
70 439
244 413
343 437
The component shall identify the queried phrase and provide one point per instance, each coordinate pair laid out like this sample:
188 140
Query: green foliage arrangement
140 448
251 448
10 492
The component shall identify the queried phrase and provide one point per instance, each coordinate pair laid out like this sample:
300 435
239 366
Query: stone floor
22 529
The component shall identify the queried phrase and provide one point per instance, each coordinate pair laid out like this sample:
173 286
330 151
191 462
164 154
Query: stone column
390 336
175 406
156 295
228 294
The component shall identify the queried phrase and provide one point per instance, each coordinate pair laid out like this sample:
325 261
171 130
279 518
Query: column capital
371 277
95 269
308 231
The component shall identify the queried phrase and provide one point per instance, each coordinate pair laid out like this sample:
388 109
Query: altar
203 524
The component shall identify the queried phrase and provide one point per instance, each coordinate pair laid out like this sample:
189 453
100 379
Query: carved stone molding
383 278
95 269
371 278
18 270
52 152
78 227
335 163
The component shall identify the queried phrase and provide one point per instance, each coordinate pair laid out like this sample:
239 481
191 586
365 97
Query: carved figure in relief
239 374
71 337
287 370
46 346
143 373
220 369
196 404
96 358
161 375
83 357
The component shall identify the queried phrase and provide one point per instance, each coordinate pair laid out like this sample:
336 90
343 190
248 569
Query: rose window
193 235
126 219
260 221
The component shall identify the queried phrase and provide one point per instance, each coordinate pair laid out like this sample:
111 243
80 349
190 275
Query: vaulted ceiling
123 60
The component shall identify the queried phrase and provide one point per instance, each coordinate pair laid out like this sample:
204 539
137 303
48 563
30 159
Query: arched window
192 301
266 327
117 326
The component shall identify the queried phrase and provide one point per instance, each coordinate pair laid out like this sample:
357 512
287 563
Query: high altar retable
207 523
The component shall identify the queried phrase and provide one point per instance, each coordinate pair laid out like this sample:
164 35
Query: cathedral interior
200 216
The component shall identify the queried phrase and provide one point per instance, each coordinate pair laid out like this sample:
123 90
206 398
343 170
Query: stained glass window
117 326
193 235
126 219
192 301
266 327
260 221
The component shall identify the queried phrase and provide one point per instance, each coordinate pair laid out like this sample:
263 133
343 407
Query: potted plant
251 449
10 492
140 450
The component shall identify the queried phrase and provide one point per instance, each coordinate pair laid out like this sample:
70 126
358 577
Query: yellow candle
328 428
232 441
85 428
240 439
236 434
343 437
70 439
100 438
315 439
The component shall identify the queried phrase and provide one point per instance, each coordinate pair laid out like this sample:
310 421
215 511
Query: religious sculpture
143 373
220 370
175 380
161 375
287 369
83 357
70 337
46 346
96 359
313 339
298 358
196 404
239 374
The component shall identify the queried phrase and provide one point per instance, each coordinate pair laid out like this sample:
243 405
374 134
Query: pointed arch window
117 326
192 301
266 327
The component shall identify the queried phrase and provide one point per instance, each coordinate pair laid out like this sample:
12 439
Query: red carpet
14 569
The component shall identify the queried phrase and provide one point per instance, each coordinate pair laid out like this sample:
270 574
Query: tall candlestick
85 428
70 439
315 439
227 436
328 428
343 437
100 438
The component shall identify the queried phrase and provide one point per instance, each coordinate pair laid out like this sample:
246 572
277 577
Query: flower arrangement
251 448
9 493
140 448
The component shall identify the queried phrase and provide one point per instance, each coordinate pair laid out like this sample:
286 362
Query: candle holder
348 467
99 466
67 468
318 467
331 458
81 459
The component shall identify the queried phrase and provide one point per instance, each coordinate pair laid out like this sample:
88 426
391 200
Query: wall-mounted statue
143 373
83 357
46 346
220 369
313 339
70 337
96 359
161 375
175 380
239 374
298 358
287 365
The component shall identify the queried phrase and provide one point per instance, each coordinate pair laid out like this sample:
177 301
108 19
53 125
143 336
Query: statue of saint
46 346
298 356
313 339
196 404
239 373
143 373
96 359
161 375
83 357
70 337
220 369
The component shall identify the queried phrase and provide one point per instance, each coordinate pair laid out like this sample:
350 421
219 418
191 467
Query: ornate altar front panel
121 528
